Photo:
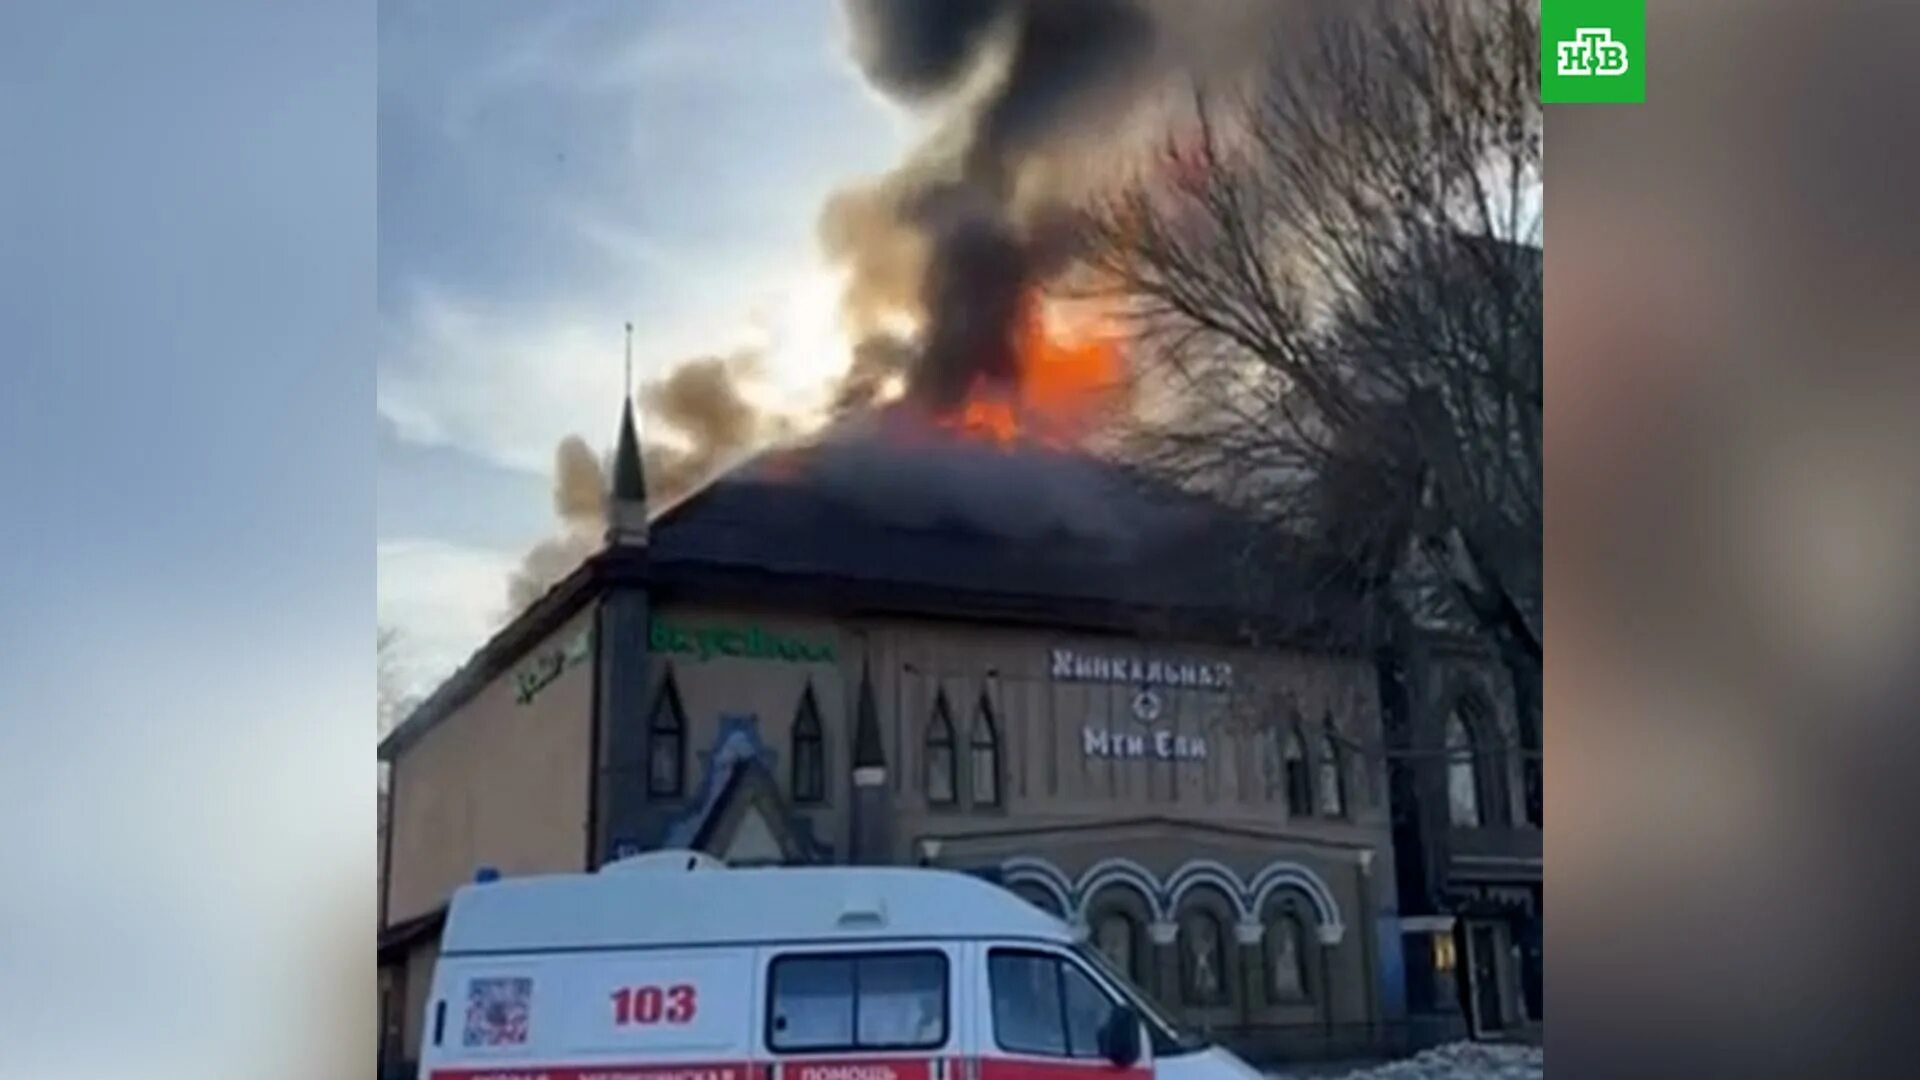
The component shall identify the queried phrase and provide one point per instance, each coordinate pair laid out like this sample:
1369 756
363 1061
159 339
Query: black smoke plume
949 237
1028 98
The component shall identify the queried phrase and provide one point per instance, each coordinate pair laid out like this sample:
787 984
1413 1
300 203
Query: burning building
941 640
941 632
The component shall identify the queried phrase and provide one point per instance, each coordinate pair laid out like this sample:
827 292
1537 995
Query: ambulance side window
818 1002
1044 1004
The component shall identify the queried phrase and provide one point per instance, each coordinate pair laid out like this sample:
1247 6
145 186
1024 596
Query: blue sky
546 173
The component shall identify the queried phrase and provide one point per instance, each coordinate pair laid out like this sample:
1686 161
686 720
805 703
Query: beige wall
419 987
499 783
1046 773
1049 775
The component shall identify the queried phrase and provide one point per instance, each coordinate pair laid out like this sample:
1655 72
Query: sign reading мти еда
744 642
1107 742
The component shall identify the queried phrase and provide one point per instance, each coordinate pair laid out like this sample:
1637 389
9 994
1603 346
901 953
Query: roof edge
501 651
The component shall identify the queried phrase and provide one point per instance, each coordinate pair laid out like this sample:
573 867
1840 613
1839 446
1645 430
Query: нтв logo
1592 52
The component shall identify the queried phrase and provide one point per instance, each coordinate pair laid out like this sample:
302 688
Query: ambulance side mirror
1120 1037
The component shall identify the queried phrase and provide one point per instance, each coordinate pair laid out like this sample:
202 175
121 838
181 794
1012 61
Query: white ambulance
672 967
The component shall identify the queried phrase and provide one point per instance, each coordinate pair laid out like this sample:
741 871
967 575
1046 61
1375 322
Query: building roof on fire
953 517
939 526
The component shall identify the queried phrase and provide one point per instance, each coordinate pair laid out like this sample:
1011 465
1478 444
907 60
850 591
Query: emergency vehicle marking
651 1004
606 1072
497 1011
860 1069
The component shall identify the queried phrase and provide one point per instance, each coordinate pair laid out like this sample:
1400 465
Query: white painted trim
1209 872
1249 933
1421 924
1278 875
1163 933
1109 871
1027 870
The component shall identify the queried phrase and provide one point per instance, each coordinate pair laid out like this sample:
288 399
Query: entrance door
1485 948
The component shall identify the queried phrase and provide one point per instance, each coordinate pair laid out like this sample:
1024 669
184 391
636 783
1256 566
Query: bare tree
1337 277
391 699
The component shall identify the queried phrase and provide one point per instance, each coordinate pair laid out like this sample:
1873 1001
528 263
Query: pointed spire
627 510
629 475
869 760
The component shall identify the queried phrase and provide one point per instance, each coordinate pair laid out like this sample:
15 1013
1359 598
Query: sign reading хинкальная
748 642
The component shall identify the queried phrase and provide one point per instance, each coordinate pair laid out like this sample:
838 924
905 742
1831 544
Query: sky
546 174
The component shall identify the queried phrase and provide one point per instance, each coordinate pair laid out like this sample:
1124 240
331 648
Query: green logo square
1593 51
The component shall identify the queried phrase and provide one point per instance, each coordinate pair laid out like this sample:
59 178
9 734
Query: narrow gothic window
984 758
667 742
1463 773
1332 787
1299 787
940 760
809 752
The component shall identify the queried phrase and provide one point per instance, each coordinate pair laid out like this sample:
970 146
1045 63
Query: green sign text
745 642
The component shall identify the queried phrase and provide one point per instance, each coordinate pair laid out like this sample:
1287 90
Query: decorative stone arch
1282 875
1108 871
1043 876
1209 872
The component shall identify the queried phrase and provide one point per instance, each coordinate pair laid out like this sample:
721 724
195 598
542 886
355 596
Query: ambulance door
851 1012
1045 1016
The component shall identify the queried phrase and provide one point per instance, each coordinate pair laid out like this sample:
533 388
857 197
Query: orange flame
1070 369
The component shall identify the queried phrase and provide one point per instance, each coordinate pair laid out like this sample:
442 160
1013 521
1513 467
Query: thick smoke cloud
580 503
697 423
1026 94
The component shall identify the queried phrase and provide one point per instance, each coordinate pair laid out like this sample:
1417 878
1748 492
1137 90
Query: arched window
940 760
1299 786
1286 945
1203 958
1332 787
809 751
983 762
1117 937
1463 773
1268 746
667 742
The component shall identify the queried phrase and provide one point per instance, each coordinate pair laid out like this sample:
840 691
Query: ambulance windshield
1168 1036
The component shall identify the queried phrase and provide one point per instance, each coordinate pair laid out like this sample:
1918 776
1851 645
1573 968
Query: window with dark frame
1332 787
1204 976
1044 1004
942 783
983 763
667 742
1299 783
1466 802
809 751
830 1002
1286 948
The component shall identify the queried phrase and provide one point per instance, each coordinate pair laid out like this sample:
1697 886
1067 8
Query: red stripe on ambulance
730 1071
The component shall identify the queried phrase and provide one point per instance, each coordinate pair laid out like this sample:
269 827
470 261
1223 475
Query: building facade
1468 839
1204 805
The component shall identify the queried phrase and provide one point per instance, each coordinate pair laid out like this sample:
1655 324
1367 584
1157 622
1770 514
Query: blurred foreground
1455 1061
